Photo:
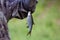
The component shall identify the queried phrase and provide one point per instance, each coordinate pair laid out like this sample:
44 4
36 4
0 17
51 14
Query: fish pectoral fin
27 26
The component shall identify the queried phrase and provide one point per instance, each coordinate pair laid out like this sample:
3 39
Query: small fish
30 22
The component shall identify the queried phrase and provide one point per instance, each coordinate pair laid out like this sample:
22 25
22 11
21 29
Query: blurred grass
45 28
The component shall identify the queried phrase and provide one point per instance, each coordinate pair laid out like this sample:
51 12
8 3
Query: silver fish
30 22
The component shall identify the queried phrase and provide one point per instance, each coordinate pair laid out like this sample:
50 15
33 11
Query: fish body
30 22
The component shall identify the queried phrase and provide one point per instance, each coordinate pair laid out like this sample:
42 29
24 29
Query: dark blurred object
25 6
15 9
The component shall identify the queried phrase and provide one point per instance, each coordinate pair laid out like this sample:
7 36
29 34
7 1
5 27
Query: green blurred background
47 23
